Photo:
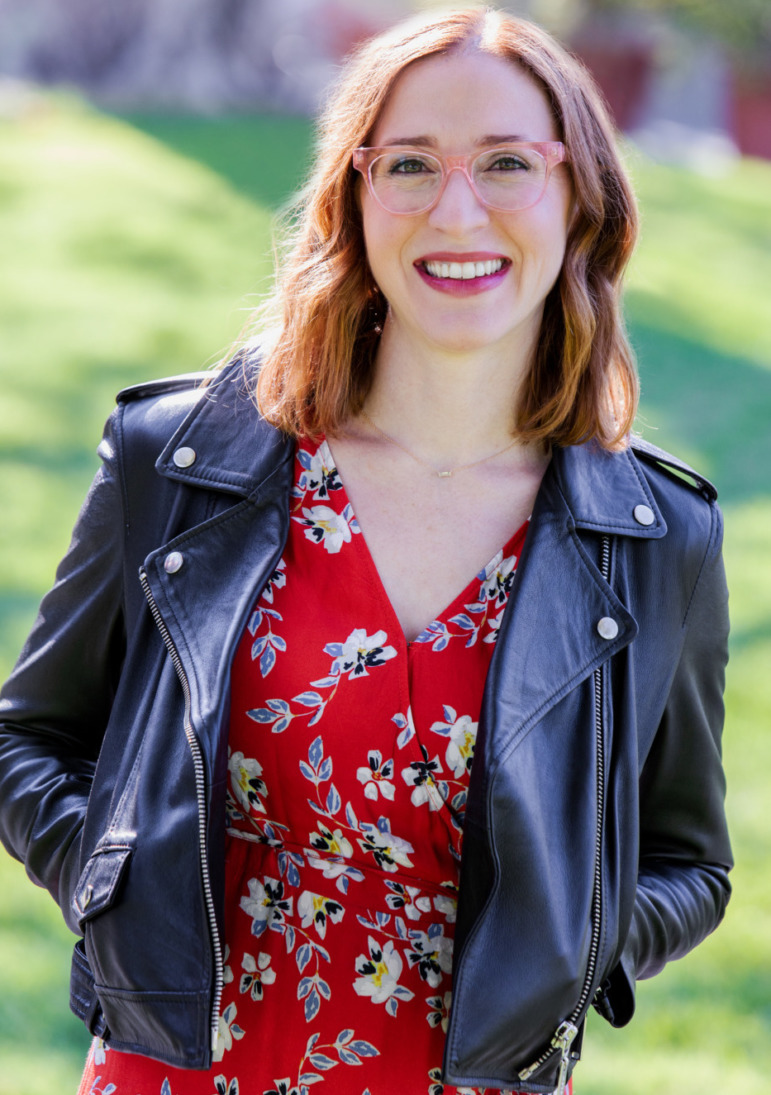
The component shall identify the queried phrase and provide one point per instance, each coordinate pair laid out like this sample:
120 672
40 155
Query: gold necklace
447 473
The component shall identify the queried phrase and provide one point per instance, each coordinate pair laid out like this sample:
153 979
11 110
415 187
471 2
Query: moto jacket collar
231 449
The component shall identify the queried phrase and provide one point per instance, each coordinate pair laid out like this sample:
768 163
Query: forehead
459 99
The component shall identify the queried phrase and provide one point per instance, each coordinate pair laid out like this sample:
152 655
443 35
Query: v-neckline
424 637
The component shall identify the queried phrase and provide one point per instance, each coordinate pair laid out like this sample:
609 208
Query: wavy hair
324 317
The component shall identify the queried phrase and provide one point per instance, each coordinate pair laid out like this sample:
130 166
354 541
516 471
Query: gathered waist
381 882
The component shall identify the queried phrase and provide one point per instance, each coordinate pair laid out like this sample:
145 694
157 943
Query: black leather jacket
595 847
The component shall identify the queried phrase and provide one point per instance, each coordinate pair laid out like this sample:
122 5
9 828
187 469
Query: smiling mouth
464 271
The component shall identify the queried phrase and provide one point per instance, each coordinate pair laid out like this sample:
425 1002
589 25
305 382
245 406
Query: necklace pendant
444 474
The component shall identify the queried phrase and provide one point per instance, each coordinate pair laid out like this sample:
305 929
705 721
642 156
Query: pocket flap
99 882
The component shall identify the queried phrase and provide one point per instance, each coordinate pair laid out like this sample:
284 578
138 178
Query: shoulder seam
163 386
675 469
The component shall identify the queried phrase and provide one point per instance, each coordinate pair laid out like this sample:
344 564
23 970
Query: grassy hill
136 248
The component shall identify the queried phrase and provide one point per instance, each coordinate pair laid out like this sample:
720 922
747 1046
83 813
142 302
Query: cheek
549 236
383 243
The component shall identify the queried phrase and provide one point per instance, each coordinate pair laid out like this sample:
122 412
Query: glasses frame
553 152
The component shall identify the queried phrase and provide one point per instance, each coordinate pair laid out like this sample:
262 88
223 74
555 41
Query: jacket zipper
200 785
563 1038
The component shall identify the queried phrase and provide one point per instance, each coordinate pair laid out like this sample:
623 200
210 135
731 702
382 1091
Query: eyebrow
429 142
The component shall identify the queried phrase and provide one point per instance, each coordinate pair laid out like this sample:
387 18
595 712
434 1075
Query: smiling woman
371 733
454 103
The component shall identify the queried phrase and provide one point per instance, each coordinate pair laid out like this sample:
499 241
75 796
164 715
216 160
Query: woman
238 745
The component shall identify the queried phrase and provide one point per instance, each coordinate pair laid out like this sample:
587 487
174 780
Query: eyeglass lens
505 178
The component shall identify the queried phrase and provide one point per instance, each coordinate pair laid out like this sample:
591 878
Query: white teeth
464 271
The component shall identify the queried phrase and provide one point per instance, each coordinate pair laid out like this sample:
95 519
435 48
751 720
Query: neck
450 407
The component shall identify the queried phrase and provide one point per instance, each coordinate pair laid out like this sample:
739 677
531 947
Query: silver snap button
173 562
184 457
607 628
644 515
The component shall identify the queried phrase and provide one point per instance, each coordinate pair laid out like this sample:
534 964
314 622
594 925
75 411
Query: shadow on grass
710 408
264 157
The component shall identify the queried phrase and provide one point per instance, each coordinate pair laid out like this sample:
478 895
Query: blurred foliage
136 248
742 26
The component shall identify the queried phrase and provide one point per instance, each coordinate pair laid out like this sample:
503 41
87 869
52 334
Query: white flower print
421 776
462 733
227 1031
225 1088
431 952
335 867
316 910
436 1087
283 1087
227 972
376 776
319 473
325 526
407 899
440 1010
276 581
359 652
266 905
355 656
379 972
101 1049
245 773
494 626
327 840
498 580
390 852
257 974
447 906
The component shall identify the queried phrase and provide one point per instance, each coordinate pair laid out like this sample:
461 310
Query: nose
458 209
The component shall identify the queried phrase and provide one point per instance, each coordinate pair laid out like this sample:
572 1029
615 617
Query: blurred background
145 148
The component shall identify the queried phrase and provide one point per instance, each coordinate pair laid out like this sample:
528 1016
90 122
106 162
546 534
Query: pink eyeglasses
406 181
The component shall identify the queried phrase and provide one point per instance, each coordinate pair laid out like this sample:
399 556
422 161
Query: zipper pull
562 1041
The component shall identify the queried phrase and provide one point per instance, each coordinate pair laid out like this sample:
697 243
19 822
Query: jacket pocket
100 881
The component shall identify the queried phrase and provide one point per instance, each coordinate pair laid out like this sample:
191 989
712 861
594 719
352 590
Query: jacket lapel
549 639
224 446
228 446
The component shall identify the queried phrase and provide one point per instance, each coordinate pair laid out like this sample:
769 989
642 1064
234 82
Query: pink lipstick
463 273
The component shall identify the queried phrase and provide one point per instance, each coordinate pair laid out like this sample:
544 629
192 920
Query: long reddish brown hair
323 320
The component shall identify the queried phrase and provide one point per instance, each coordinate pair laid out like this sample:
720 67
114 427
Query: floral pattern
348 765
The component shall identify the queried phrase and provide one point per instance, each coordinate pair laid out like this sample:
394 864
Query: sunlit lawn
135 249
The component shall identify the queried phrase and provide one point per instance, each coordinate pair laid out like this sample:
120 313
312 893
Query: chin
465 340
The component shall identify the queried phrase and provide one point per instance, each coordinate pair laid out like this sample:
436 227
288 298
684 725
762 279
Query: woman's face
453 105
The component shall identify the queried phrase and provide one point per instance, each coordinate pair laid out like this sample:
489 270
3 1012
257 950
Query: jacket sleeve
55 705
685 854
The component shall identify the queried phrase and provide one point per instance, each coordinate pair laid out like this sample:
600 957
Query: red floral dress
349 758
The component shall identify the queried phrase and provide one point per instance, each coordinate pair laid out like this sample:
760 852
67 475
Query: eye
409 165
508 161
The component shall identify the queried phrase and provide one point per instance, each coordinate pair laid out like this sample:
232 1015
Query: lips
461 274
463 270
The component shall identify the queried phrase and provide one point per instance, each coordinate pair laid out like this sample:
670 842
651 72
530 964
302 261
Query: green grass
136 248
